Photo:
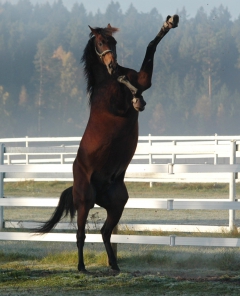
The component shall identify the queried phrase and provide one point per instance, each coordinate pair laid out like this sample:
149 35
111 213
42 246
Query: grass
148 216
31 188
177 187
223 234
158 257
41 268
143 273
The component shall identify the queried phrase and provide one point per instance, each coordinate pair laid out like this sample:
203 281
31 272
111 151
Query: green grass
55 188
40 268
178 187
14 257
31 188
234 233
143 273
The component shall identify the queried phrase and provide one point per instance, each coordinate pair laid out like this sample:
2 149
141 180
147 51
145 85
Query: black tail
65 204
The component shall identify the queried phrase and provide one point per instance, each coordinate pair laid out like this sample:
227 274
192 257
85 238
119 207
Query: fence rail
150 150
157 159
133 203
171 240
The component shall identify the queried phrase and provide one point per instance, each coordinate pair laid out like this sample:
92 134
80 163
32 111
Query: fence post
61 158
1 183
150 155
232 185
174 155
27 156
216 155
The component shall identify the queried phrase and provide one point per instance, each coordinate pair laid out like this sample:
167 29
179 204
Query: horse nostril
111 67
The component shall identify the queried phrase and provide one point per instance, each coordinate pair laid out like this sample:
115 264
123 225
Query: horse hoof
114 271
139 103
83 271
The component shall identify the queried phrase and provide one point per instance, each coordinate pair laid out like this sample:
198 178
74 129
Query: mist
195 87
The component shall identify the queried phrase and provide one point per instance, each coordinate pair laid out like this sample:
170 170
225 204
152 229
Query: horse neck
102 87
100 73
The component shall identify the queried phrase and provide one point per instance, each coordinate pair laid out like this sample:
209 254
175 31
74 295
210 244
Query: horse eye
100 44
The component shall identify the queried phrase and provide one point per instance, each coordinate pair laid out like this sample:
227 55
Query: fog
195 86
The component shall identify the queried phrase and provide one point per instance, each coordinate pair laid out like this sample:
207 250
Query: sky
164 7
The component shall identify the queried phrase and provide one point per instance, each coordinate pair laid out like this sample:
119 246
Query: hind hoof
114 271
83 270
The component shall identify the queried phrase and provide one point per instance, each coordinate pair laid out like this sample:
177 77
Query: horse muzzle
139 103
112 67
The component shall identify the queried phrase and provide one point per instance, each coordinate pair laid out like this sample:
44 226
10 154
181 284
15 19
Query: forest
196 81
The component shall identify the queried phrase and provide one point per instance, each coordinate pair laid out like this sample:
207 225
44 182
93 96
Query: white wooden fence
150 150
213 148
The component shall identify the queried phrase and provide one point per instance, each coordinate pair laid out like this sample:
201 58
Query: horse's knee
152 46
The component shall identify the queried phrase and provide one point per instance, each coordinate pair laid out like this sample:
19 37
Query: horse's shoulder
126 71
131 74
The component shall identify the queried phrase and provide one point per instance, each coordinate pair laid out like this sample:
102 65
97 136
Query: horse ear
94 31
110 29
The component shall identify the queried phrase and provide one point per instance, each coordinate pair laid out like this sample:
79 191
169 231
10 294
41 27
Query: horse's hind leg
83 196
82 213
117 197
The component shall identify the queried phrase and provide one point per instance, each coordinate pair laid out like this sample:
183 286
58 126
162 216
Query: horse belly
107 148
112 164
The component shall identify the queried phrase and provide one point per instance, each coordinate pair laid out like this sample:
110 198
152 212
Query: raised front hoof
139 103
171 21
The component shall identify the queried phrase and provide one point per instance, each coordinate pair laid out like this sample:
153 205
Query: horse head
105 47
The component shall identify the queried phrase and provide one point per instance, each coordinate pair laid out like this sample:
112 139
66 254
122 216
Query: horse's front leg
138 101
145 73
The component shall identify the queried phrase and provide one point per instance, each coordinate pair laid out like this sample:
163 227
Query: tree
70 95
23 96
195 86
5 113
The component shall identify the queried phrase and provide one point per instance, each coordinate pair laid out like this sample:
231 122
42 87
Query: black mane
89 57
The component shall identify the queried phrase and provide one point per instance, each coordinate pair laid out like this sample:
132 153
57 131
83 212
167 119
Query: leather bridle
101 55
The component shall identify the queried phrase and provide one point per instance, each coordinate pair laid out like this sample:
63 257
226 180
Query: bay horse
110 138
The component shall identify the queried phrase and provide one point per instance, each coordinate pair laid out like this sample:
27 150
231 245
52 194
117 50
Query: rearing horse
110 138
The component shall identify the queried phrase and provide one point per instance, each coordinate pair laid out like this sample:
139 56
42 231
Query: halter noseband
101 55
